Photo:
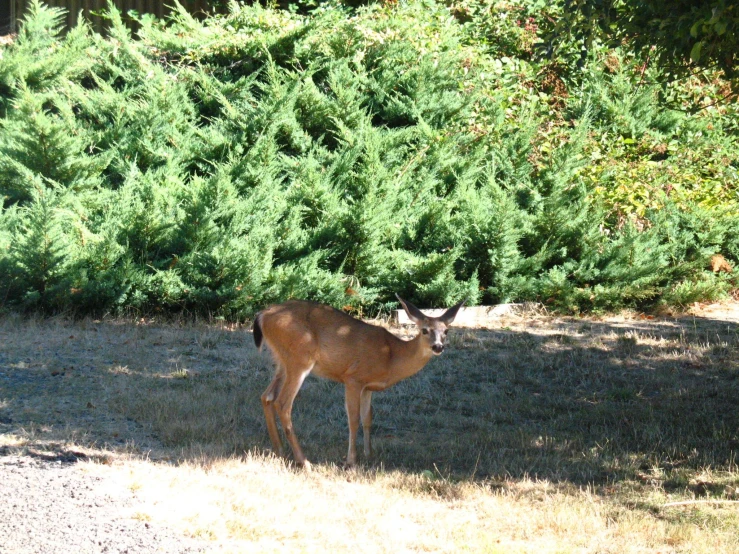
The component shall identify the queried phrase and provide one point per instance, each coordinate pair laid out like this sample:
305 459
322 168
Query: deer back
336 345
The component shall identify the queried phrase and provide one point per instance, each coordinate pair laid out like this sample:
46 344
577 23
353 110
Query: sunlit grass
541 435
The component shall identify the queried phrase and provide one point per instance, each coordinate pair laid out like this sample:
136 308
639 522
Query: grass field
539 434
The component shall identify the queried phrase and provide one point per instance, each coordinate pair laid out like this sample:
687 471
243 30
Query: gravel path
54 506
54 418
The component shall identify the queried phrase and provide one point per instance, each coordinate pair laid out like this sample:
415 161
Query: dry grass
537 435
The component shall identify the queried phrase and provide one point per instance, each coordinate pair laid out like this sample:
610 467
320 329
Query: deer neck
408 358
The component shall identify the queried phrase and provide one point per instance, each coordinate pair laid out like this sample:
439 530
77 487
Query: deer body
307 337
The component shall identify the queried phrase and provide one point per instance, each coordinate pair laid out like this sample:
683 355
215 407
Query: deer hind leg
284 406
365 411
268 404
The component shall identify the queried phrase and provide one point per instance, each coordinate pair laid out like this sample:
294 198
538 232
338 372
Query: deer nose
437 348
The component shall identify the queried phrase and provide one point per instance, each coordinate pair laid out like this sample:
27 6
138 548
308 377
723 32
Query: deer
306 337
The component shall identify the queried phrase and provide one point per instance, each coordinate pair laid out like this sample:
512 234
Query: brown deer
306 337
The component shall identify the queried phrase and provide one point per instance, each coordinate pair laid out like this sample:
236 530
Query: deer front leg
365 411
352 403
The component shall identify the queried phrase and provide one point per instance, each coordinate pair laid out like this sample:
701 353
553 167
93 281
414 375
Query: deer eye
425 331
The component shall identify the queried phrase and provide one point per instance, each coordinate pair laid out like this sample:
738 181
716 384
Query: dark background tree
683 36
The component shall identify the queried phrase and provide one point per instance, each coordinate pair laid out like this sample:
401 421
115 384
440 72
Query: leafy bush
215 166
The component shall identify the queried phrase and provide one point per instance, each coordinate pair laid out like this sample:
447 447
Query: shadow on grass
575 401
587 403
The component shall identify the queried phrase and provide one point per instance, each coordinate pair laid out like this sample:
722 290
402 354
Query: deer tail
258 331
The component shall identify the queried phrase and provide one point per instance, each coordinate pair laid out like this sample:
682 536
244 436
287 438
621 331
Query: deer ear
414 313
448 316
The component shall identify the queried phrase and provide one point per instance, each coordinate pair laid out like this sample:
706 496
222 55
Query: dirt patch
717 312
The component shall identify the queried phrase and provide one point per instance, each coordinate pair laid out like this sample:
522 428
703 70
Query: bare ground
53 505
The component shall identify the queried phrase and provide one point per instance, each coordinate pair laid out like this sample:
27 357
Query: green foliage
41 250
623 100
690 35
40 137
504 28
216 166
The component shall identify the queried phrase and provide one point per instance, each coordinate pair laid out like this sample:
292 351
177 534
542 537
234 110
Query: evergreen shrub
212 167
